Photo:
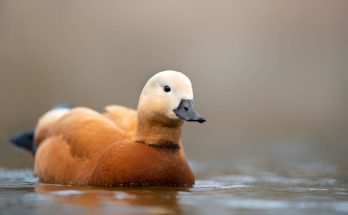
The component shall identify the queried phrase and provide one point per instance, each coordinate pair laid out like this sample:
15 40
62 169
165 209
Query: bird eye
166 89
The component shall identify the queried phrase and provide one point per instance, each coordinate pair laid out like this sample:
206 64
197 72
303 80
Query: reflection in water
127 200
21 193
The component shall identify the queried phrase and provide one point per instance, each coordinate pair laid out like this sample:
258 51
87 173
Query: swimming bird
122 146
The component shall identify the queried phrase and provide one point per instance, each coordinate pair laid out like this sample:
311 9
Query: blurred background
270 76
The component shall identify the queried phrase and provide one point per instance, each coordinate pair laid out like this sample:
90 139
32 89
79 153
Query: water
22 193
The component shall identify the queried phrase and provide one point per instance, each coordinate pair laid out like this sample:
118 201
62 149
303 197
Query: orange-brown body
119 147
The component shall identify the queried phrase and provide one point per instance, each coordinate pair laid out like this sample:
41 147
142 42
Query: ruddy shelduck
121 146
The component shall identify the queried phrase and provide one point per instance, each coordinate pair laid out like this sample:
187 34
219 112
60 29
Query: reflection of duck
130 200
122 146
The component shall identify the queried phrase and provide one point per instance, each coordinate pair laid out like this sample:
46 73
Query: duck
121 146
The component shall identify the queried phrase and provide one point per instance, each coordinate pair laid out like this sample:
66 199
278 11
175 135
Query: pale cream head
155 98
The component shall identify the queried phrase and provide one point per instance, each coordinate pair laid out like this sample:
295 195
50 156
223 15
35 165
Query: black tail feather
24 139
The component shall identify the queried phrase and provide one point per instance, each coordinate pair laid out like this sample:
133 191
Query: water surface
22 193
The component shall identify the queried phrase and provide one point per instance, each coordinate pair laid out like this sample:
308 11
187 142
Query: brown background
269 76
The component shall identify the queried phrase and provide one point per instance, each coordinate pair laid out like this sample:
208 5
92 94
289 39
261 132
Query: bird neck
165 134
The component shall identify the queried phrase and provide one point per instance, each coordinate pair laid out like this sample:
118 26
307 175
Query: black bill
186 112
